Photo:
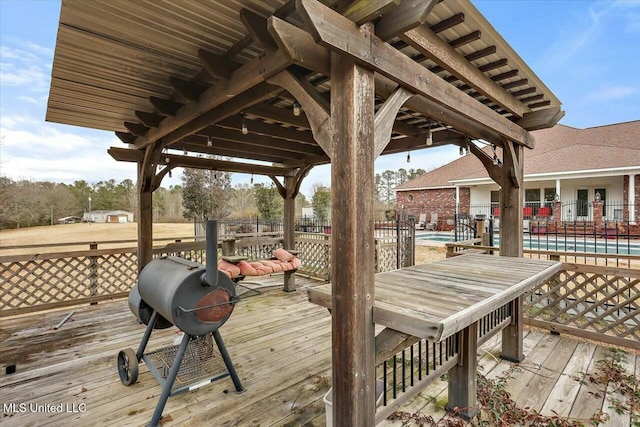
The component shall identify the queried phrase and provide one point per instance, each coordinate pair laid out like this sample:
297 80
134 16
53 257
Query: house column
631 198
457 199
558 189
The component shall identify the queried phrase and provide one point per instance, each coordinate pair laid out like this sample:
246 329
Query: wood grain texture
436 300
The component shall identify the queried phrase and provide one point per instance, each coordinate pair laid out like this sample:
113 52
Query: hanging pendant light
409 157
296 108
245 130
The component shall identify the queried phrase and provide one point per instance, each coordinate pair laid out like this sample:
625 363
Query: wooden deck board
281 346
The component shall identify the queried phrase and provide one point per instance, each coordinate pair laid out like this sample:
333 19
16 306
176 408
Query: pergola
281 86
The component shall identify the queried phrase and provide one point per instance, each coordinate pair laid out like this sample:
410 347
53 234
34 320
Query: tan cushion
247 269
231 270
283 255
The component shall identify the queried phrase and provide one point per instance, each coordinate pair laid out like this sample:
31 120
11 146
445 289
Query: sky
586 52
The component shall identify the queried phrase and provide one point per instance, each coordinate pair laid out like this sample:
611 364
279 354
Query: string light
496 161
429 136
209 142
296 108
185 152
169 174
245 130
409 157
461 150
166 156
252 178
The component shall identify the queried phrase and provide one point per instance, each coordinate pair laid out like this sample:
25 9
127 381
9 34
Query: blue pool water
542 242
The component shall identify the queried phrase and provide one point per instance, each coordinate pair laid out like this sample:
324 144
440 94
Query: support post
352 267
463 383
289 228
145 221
511 240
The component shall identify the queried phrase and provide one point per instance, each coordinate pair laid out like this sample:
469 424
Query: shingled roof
559 149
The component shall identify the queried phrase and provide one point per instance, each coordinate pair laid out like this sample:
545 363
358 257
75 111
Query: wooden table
436 300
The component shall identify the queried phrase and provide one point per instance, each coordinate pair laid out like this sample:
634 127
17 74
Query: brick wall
440 200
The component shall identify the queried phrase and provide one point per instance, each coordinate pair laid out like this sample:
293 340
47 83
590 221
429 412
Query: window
549 194
410 197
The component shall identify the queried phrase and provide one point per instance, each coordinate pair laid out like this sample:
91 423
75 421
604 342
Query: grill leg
147 334
173 373
227 361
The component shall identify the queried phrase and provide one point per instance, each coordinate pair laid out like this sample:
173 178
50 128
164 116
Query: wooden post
511 240
462 377
145 221
93 271
229 247
289 227
353 257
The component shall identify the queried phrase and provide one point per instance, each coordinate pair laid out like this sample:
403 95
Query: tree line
203 194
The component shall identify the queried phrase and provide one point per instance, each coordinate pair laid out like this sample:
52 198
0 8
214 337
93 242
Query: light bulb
461 151
429 138
185 152
409 157
296 108
245 130
209 142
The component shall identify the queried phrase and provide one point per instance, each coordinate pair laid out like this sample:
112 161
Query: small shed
116 216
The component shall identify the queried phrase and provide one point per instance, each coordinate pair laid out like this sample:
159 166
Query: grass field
86 233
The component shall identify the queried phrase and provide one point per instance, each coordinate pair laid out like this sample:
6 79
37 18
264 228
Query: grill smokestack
211 272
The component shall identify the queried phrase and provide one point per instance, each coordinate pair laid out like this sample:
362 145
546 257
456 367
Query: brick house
564 174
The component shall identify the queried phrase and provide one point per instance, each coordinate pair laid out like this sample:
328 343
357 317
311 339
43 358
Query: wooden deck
280 344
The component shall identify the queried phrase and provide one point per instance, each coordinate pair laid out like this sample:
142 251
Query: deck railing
42 281
596 296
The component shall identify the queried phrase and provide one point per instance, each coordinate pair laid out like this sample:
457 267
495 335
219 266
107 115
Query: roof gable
558 149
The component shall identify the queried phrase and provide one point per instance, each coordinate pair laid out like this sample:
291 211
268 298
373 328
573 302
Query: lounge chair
422 222
433 223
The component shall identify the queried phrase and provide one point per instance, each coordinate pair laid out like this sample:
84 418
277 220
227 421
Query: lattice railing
594 302
386 256
35 282
315 256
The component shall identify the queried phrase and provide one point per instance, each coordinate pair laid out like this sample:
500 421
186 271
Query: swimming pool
551 243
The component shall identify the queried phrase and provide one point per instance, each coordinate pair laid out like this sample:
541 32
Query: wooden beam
505 75
263 140
450 22
466 39
522 92
385 118
439 51
256 25
515 172
340 35
128 155
244 78
511 201
166 107
530 99
136 128
408 15
514 84
390 342
261 128
361 11
540 104
493 65
150 120
187 90
494 171
352 267
300 47
217 66
541 119
313 104
236 104
127 138
238 149
281 115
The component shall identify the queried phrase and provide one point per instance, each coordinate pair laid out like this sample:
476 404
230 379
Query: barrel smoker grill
173 291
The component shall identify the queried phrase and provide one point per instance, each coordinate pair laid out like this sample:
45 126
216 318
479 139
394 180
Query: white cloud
25 68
